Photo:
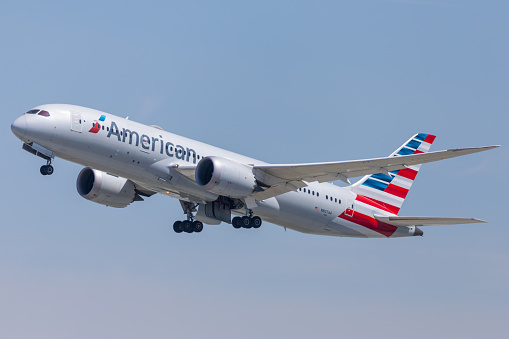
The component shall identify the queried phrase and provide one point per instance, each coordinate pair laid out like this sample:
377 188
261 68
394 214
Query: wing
280 179
425 221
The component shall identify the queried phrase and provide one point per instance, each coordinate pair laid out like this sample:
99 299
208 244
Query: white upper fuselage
148 155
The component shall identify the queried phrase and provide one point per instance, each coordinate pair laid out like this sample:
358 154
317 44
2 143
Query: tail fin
391 190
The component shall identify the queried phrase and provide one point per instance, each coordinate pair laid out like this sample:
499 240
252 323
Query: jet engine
106 189
225 177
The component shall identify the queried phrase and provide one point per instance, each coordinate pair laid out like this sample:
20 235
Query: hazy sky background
284 82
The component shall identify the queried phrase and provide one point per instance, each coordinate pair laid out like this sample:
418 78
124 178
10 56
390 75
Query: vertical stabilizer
391 190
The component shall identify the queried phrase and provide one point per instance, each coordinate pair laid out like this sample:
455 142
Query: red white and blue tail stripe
389 191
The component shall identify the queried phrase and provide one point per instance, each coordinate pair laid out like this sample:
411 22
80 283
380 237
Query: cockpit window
33 111
43 113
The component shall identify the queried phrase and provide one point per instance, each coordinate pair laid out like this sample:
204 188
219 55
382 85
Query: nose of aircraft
19 127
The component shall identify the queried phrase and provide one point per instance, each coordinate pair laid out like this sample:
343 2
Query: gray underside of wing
425 221
143 190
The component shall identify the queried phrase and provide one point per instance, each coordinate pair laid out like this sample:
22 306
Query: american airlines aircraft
126 161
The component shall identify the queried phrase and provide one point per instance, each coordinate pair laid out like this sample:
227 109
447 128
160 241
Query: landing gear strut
247 221
47 169
190 225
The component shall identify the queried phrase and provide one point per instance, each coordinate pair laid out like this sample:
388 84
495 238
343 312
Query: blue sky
284 82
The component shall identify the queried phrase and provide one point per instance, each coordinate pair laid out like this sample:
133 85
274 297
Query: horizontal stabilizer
425 221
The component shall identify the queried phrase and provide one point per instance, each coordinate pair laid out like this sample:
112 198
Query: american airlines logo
96 127
147 143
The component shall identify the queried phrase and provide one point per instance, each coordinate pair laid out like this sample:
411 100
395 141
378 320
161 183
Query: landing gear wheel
246 222
177 226
187 226
237 222
197 226
46 170
256 222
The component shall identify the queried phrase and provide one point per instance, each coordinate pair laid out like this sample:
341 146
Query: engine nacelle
106 189
225 177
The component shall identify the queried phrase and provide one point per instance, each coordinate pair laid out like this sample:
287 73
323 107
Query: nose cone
19 126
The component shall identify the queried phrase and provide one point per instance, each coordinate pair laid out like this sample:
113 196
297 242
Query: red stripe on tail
377 203
396 190
408 173
430 138
371 223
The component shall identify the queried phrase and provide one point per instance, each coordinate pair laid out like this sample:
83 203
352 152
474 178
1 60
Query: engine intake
106 189
225 177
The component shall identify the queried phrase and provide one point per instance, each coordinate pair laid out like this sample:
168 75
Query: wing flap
425 221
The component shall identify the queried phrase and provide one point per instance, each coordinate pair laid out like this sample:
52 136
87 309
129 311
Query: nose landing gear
47 169
41 152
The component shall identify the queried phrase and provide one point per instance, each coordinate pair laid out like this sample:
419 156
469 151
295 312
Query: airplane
126 161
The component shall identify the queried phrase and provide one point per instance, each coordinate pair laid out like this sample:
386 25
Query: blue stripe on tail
405 151
383 177
375 184
413 144
421 136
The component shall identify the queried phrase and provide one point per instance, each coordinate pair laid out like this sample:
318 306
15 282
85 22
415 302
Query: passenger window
313 192
326 196
335 200
304 190
317 194
339 201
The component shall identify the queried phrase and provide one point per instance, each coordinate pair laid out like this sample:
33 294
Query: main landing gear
247 221
189 225
47 169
